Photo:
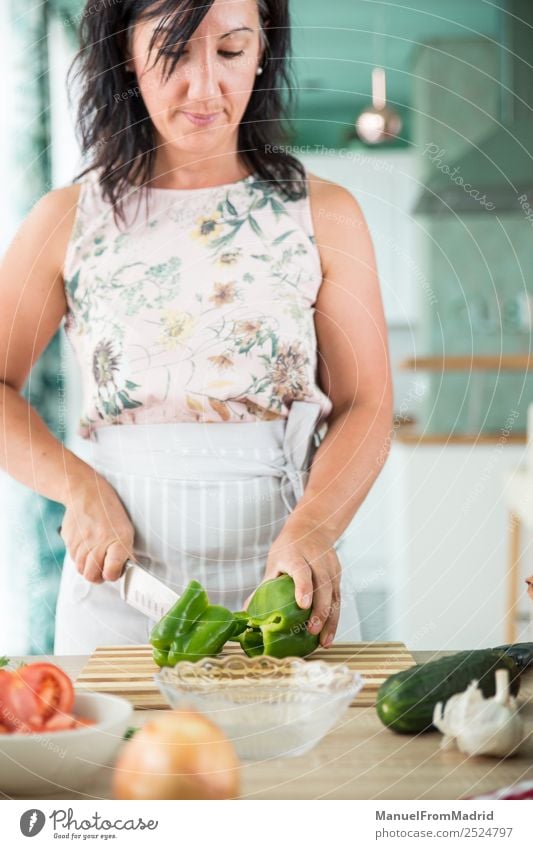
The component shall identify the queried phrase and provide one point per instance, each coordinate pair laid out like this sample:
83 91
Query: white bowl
65 760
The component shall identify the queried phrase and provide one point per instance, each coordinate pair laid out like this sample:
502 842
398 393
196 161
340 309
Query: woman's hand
96 529
309 557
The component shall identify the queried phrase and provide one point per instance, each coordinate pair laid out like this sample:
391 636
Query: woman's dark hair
118 138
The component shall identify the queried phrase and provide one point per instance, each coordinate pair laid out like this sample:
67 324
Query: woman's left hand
309 557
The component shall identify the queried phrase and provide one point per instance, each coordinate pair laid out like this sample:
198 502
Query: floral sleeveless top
200 310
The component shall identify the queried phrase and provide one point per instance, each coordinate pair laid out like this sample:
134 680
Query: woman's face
198 109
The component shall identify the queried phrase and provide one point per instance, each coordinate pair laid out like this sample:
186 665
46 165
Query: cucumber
406 700
522 654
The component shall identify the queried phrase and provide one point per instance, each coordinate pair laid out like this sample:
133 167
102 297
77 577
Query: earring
259 71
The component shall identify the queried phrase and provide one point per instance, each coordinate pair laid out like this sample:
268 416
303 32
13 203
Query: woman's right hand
96 530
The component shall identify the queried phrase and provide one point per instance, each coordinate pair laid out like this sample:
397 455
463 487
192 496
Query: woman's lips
201 120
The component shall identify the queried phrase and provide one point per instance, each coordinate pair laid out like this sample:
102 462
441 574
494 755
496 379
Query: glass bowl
268 708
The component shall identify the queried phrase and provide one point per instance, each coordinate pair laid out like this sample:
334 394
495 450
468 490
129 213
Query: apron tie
298 441
295 478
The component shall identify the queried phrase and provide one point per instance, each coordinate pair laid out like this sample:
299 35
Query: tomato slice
5 679
65 722
19 704
7 716
59 722
81 722
51 685
36 693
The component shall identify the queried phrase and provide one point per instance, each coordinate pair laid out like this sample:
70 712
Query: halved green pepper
277 626
181 616
192 628
240 624
206 638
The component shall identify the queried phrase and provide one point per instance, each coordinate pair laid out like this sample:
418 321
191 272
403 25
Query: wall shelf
489 362
410 435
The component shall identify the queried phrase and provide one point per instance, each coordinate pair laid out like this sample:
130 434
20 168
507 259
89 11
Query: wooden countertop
360 759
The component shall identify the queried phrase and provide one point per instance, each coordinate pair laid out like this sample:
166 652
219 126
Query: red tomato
35 693
81 722
52 686
65 722
20 706
8 705
5 679
59 722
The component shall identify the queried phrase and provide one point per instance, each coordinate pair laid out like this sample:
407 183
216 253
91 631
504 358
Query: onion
178 755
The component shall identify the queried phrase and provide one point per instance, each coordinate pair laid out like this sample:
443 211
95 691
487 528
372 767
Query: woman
204 279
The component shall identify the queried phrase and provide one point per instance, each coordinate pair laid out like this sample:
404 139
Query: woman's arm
353 369
32 305
354 372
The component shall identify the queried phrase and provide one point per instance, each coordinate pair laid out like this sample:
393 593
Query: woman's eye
228 55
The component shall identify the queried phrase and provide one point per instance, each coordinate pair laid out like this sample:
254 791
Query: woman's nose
203 83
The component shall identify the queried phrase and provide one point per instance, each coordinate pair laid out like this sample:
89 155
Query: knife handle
121 583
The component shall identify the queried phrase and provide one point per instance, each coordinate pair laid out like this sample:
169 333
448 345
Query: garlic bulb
479 726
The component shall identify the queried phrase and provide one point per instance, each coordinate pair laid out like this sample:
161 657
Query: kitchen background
449 200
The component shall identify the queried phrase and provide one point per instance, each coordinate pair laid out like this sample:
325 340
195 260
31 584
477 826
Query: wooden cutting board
128 670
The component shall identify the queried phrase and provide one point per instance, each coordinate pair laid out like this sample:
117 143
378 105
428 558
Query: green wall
478 263
337 44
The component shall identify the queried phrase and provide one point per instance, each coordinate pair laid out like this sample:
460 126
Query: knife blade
143 591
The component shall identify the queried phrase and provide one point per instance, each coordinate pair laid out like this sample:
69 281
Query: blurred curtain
33 559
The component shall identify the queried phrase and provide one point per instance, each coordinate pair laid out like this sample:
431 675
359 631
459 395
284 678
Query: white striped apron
206 501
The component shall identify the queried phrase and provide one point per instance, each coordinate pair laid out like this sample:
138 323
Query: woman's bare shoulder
338 220
32 292
62 203
329 197
52 219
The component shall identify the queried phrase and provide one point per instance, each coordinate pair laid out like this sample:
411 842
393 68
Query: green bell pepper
193 628
241 623
273 625
277 626
181 616
206 638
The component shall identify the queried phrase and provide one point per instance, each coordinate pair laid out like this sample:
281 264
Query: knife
143 591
